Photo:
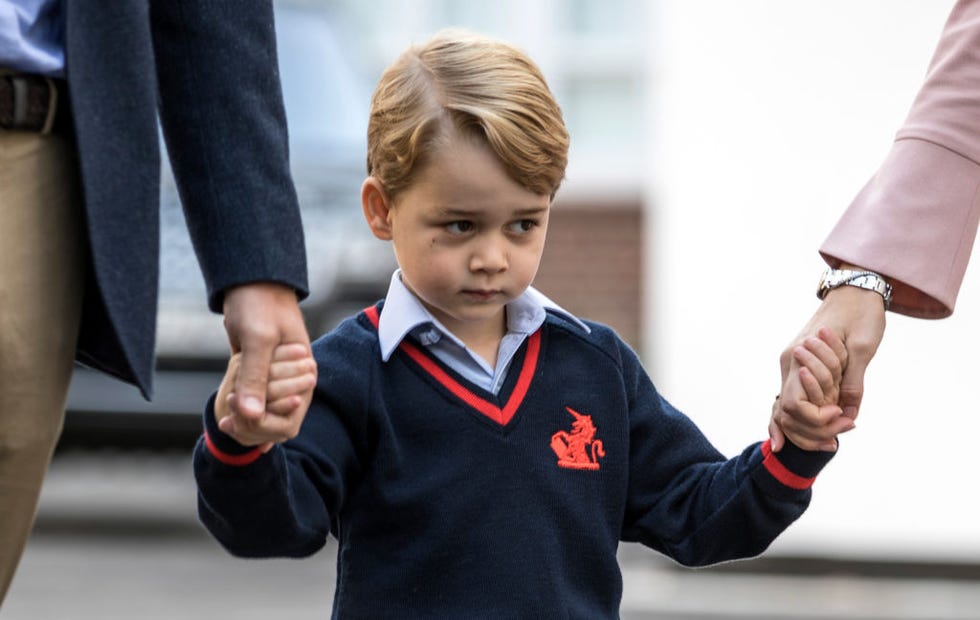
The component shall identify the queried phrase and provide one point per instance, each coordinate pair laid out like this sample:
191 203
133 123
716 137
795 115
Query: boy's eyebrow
463 212
532 210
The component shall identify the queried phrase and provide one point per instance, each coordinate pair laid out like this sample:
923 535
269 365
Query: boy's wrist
812 445
802 462
219 442
830 446
790 469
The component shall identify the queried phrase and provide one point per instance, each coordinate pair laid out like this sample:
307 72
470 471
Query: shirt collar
403 313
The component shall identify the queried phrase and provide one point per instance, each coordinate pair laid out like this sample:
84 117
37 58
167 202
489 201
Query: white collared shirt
404 314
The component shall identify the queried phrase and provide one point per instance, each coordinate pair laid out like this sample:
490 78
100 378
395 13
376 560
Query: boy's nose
489 257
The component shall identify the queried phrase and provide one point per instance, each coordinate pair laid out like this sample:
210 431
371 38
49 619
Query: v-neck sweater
451 502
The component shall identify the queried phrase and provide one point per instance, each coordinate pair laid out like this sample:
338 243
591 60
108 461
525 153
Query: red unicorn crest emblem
573 448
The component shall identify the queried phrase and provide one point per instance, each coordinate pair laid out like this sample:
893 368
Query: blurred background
714 144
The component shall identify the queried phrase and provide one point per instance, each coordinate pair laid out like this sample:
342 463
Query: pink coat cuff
915 223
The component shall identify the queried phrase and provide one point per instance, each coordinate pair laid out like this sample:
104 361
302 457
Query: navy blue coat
210 70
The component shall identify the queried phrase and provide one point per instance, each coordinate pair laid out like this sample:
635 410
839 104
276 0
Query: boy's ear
376 206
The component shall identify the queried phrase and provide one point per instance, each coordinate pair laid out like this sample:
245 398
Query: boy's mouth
481 294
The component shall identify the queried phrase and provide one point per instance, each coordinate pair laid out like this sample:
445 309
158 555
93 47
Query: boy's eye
522 226
460 227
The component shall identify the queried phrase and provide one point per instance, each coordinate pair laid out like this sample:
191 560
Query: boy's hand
858 317
292 376
813 421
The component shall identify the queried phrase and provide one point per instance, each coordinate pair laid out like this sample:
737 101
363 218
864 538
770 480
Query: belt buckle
20 85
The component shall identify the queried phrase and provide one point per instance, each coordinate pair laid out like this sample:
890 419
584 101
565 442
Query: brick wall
592 264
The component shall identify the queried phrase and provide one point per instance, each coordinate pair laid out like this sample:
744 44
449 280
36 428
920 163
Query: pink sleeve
916 219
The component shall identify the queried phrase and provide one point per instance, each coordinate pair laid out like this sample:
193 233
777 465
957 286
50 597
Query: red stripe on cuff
231 459
779 471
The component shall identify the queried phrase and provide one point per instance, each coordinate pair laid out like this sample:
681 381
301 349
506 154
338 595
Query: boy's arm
279 502
690 503
257 504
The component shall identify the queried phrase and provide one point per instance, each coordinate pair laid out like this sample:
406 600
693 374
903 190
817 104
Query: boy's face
468 238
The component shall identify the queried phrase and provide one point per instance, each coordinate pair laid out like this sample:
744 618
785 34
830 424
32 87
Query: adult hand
857 316
259 317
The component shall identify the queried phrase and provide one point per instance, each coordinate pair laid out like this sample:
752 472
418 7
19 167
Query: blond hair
479 87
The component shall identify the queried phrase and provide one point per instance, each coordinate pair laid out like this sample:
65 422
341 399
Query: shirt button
429 336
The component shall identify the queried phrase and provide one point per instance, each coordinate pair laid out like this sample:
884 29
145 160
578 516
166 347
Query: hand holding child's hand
814 420
292 376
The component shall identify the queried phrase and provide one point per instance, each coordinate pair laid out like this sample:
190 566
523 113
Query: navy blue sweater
450 502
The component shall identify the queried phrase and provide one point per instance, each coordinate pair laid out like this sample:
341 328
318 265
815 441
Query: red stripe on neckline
524 379
779 471
372 315
490 410
483 406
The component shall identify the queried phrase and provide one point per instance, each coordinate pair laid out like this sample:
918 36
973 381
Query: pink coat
916 219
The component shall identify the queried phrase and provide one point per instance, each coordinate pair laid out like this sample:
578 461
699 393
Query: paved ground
117 539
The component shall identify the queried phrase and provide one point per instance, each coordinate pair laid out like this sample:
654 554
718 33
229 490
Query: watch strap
868 280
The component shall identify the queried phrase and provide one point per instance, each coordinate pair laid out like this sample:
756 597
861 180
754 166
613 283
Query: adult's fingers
253 374
859 317
852 388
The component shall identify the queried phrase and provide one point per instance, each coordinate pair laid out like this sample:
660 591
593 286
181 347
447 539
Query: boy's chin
472 315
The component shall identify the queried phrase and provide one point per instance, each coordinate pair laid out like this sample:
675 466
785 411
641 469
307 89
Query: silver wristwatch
869 280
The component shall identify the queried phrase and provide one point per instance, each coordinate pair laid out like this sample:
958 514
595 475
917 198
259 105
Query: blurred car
326 108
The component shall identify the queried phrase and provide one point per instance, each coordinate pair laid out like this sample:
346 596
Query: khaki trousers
41 282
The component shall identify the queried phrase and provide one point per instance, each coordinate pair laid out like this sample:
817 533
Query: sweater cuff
222 446
792 466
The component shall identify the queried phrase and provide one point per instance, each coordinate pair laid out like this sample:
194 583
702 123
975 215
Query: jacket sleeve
693 505
280 504
221 110
916 219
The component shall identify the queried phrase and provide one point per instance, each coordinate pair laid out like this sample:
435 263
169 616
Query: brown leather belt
30 102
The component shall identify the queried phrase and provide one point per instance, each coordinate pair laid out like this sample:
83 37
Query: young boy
477 451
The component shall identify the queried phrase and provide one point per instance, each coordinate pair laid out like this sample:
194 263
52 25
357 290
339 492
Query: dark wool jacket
210 70
450 502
